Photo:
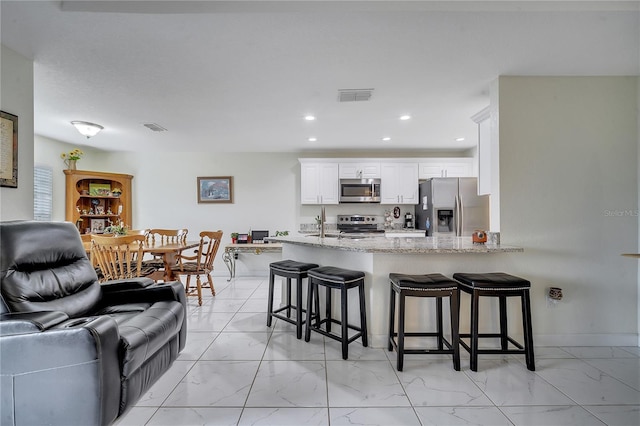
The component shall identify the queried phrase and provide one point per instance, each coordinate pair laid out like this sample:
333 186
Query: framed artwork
97 226
100 189
8 150
216 189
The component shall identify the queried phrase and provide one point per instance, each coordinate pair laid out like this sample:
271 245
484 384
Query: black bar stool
430 285
289 269
500 285
331 277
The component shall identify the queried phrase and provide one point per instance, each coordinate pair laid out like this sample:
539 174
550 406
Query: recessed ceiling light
312 139
386 138
459 139
405 117
309 117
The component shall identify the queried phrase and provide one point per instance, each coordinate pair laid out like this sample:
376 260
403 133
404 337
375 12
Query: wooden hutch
95 200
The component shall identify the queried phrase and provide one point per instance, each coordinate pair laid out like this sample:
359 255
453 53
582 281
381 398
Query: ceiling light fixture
309 117
459 139
405 117
87 129
312 139
386 139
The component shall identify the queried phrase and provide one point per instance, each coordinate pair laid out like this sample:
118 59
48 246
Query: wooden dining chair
200 263
164 236
119 257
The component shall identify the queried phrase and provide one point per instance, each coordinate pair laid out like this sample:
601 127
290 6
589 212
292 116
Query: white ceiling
240 75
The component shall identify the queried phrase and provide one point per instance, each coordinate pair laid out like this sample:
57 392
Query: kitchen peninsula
379 256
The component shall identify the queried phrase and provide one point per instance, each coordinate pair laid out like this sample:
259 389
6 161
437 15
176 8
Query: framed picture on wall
215 189
8 150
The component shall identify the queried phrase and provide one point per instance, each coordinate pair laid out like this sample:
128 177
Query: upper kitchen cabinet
359 170
318 183
446 167
399 183
489 156
487 152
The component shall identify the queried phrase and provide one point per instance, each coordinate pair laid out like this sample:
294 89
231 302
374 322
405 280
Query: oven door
360 190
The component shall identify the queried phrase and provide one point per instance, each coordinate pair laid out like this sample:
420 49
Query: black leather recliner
73 351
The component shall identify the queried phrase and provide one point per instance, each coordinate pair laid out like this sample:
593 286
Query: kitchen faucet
323 218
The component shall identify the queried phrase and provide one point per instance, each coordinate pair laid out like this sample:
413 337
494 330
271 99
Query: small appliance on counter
408 221
257 237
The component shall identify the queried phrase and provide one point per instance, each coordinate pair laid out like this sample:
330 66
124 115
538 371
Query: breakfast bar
379 256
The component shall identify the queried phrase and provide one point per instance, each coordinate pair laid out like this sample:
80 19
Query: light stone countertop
427 245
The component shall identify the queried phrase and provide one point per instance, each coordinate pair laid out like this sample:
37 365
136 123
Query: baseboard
611 339
620 339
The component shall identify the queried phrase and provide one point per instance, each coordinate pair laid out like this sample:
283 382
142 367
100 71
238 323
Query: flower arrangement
116 229
71 157
75 154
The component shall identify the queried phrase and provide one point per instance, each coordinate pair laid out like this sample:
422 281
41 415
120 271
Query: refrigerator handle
461 214
456 216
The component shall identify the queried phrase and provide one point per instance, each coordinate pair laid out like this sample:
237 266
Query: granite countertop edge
400 245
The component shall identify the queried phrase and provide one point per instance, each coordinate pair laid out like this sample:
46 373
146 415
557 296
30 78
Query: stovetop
358 223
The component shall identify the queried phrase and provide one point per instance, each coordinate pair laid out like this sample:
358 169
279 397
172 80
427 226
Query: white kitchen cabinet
319 183
450 167
359 170
399 183
489 156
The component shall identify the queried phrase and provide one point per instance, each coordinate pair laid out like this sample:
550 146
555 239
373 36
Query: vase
71 164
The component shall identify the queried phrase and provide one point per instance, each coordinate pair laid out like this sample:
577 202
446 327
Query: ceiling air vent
154 127
354 95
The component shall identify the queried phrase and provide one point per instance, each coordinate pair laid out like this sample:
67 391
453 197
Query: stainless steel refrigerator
451 206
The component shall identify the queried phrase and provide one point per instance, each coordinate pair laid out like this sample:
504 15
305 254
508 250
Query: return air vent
154 127
354 95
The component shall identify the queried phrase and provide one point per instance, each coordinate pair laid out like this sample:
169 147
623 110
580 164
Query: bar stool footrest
317 325
423 351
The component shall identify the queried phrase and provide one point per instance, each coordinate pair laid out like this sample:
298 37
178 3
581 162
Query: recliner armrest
173 290
29 322
82 354
161 291
126 284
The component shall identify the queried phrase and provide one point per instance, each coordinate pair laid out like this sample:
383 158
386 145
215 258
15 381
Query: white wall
16 97
266 188
569 188
47 153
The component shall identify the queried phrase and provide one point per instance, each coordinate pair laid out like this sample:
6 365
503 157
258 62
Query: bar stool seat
429 285
289 269
500 285
332 277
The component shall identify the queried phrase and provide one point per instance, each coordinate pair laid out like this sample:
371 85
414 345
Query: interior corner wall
47 153
569 196
16 97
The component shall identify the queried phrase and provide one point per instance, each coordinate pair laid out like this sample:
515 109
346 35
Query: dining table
168 251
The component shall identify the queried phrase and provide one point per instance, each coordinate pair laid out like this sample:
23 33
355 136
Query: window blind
42 193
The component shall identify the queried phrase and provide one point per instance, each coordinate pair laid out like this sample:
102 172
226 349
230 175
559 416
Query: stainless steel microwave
359 190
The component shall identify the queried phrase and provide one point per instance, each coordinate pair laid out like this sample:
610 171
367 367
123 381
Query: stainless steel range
357 225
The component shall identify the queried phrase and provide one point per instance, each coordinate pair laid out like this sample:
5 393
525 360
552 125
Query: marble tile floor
237 371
